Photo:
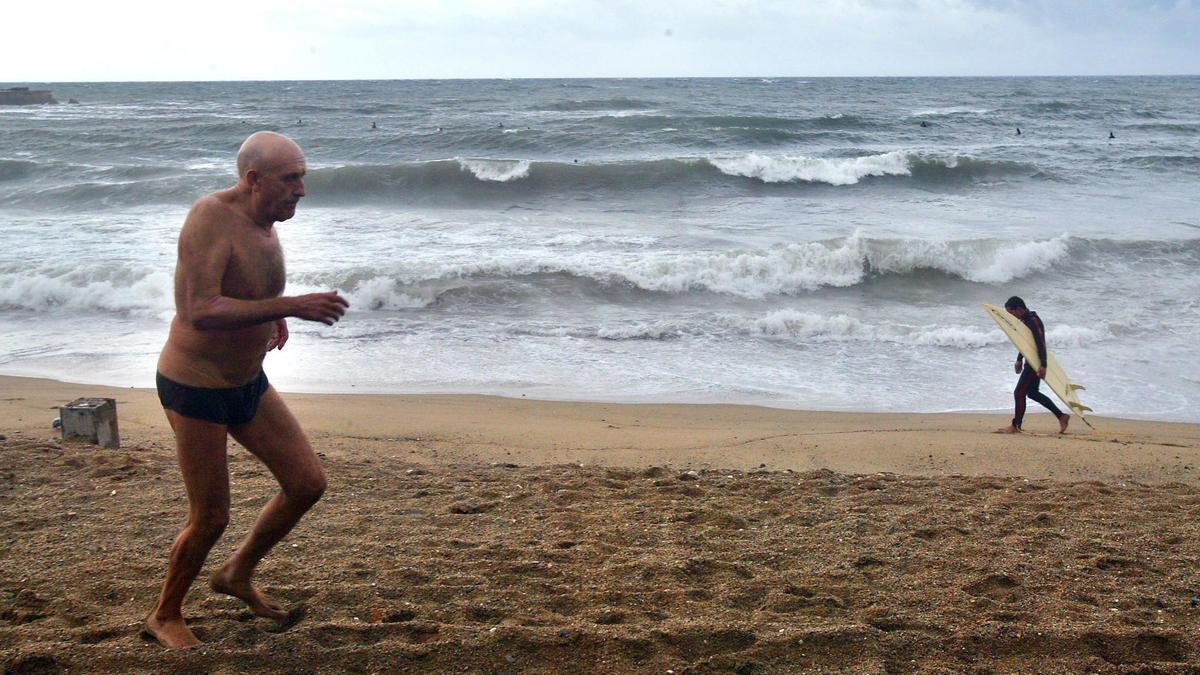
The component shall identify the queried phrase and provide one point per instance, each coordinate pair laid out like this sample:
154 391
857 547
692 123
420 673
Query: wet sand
480 534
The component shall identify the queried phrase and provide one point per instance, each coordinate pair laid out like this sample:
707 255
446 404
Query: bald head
265 150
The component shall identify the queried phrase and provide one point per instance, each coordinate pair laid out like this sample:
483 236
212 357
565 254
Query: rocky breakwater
25 96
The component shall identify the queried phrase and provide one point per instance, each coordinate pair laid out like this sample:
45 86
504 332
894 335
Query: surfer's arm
1039 336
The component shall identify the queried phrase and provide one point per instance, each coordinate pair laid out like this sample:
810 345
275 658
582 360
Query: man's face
280 188
1015 311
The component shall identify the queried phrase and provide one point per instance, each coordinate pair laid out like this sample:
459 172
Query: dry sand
480 534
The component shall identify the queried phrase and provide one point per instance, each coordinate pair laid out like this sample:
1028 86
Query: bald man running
229 312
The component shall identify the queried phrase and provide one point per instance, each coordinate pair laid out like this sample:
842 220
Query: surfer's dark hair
1015 302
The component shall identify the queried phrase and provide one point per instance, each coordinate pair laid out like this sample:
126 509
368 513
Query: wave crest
496 170
615 103
840 328
87 290
834 171
781 270
470 180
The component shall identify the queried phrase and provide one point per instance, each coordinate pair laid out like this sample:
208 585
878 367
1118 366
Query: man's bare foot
172 633
1062 423
259 603
1010 429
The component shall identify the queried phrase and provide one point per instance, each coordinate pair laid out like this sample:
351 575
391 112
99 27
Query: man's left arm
1039 336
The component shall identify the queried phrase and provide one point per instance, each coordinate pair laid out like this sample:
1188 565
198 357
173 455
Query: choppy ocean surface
803 243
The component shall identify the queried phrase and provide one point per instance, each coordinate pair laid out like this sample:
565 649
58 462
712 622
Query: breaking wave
784 270
516 275
469 179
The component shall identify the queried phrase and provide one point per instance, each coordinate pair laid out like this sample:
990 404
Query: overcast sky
397 39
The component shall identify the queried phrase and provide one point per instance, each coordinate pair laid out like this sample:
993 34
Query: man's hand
1042 372
325 307
279 335
1017 367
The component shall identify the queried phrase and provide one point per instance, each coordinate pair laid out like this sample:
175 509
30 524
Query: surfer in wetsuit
1027 385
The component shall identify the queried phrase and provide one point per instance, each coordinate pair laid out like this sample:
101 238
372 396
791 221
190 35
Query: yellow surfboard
1056 377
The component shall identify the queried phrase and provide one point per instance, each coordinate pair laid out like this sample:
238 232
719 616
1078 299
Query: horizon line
604 77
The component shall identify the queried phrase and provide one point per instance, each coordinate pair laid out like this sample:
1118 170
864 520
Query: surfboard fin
1077 387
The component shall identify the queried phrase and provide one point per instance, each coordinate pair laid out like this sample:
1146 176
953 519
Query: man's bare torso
253 270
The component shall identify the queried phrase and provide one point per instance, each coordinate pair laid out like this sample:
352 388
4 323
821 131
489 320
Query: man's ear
252 177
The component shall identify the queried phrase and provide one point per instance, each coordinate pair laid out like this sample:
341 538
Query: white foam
1076 336
951 110
638 330
792 168
792 324
751 274
380 293
983 261
1017 261
842 328
642 331
211 165
757 273
496 170
46 292
806 267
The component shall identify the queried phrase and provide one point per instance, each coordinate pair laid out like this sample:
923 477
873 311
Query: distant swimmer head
1018 131
1015 306
1111 135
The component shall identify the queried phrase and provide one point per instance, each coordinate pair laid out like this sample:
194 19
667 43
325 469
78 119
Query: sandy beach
482 534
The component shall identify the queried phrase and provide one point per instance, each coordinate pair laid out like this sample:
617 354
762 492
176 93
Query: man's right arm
204 253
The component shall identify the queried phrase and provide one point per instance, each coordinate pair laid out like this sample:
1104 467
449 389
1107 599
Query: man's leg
1028 379
200 447
1048 403
1019 392
275 437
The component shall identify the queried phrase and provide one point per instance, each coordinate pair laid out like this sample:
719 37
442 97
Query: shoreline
445 429
541 396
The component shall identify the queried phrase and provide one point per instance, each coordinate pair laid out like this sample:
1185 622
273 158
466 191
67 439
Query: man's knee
308 490
210 522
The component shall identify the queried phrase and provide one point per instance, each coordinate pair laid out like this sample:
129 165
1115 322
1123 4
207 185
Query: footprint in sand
998 587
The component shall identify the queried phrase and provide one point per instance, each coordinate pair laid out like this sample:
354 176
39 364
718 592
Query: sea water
802 243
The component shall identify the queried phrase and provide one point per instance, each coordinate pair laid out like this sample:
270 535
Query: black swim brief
229 405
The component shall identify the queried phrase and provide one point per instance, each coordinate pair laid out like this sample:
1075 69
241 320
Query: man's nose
299 191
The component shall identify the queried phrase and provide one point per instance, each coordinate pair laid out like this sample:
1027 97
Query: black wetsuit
1027 385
